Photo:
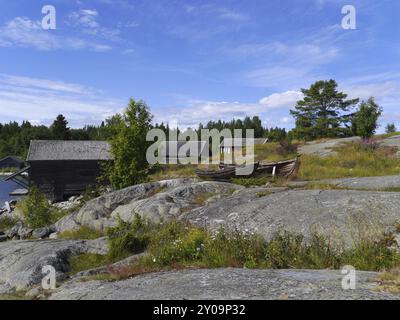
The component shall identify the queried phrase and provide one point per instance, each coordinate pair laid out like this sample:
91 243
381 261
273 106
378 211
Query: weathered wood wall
62 179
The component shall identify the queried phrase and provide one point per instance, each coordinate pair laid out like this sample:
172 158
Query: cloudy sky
192 60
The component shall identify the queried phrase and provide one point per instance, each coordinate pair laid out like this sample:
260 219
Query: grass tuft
81 233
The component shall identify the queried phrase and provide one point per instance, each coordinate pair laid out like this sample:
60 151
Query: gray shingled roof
45 150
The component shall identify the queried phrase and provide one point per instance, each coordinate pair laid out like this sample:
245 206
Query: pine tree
59 128
321 112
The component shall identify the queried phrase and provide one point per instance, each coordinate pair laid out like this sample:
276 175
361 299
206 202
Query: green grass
387 135
389 281
81 233
352 160
178 245
18 295
8 170
86 261
173 171
272 151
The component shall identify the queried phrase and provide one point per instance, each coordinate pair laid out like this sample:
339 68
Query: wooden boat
280 168
224 173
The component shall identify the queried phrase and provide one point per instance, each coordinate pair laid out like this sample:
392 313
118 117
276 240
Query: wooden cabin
11 162
62 169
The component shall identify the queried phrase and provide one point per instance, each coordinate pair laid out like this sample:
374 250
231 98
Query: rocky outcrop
325 148
174 203
96 213
232 284
339 214
156 199
21 262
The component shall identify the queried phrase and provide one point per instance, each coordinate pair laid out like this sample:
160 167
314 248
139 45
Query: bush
371 256
36 209
128 238
7 223
366 119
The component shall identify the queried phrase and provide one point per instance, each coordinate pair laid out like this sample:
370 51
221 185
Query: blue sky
192 61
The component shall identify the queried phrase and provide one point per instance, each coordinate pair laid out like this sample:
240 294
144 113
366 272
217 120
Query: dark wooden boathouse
65 168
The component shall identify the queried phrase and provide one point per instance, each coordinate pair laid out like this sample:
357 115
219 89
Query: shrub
7 223
36 209
371 256
128 238
366 119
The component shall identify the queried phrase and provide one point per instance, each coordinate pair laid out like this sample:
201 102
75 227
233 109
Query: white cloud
41 84
86 20
23 32
272 108
284 99
41 100
283 77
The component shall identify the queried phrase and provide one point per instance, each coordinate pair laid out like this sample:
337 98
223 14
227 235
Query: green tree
366 119
391 128
59 128
129 145
322 112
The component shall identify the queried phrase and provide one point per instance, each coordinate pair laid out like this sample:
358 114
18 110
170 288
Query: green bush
36 209
128 238
7 223
371 256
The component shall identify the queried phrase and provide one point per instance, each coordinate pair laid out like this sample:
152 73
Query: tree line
324 112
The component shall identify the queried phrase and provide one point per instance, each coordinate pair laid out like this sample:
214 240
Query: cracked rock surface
21 262
227 284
